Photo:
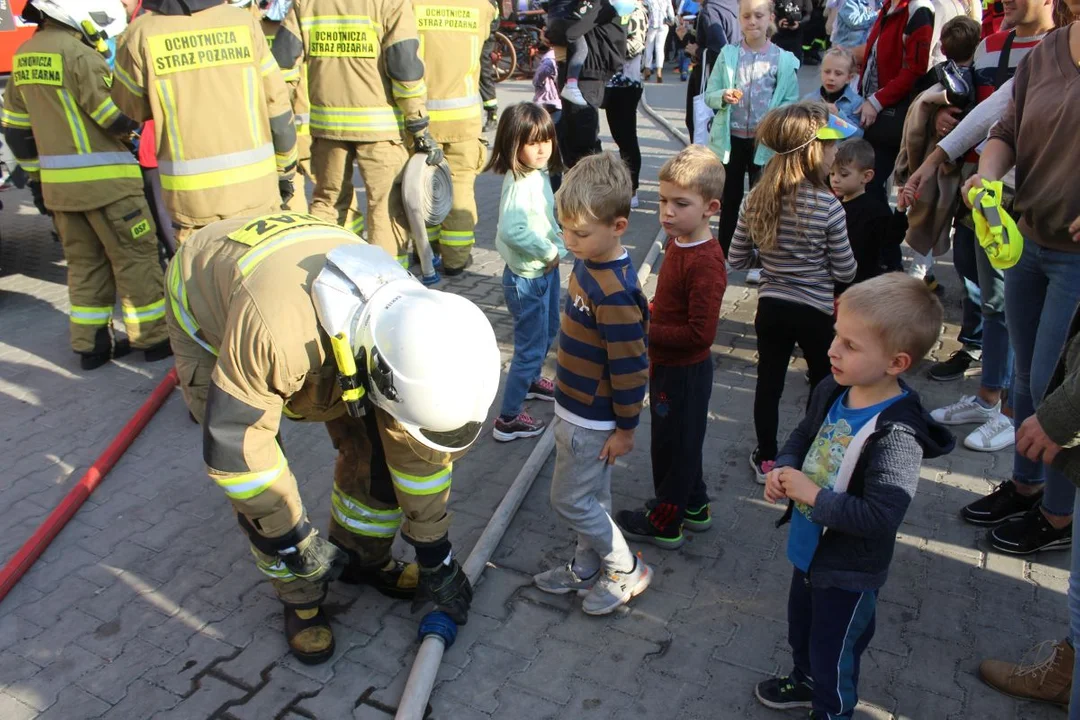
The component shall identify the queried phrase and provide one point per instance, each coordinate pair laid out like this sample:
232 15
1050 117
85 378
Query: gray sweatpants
581 495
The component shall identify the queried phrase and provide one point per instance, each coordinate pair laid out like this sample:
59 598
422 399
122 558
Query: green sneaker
697 519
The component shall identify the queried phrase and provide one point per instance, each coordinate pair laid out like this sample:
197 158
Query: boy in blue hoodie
849 472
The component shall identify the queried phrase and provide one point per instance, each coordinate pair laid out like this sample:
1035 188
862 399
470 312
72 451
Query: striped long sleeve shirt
603 364
812 251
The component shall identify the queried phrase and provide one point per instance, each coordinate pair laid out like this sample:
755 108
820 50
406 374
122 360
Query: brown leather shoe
310 638
1043 674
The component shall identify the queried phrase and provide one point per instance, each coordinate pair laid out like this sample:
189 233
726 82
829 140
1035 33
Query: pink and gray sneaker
761 467
542 389
522 426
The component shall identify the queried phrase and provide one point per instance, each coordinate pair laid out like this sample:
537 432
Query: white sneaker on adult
966 410
995 434
753 277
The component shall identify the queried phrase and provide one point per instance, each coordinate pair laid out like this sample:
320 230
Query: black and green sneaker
697 519
784 693
637 526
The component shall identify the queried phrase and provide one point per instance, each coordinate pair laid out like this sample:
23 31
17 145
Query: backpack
637 24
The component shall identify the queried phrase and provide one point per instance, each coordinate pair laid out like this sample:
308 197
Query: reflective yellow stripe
310 22
357 225
493 102
457 114
284 161
219 178
172 127
14 119
250 96
89 174
248 485
181 310
257 254
433 233
457 237
404 92
144 313
268 65
356 119
422 485
75 123
91 314
361 519
291 74
105 113
277 570
128 82
31 166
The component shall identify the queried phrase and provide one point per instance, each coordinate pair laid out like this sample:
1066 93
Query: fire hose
428 195
32 549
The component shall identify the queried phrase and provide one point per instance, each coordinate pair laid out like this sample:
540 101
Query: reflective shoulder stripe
256 255
91 314
181 311
105 113
75 123
332 20
422 485
9 118
247 485
128 82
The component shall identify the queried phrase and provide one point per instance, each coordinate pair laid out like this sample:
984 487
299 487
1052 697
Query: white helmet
95 19
430 357
240 3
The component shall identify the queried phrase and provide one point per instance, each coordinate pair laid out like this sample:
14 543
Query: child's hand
1074 230
619 443
906 197
832 108
774 489
798 487
552 264
732 96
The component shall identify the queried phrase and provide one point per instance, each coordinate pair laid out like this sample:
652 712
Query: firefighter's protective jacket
455 45
365 77
58 117
296 79
242 291
224 123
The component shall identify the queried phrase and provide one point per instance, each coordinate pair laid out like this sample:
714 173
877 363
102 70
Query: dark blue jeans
1041 293
997 355
964 260
534 305
828 630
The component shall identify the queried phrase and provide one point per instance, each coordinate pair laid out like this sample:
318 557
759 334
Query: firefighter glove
314 559
39 199
448 588
491 121
427 145
285 188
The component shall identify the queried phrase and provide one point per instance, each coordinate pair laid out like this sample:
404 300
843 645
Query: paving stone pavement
148 605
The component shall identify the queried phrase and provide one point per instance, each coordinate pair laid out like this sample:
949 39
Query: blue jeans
997 355
534 305
1041 293
964 260
1074 614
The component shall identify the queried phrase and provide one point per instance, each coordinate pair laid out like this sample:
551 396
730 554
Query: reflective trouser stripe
247 485
166 96
91 314
9 118
422 485
181 311
105 113
457 237
361 519
356 119
127 81
144 313
75 123
218 170
357 225
277 570
434 234
30 166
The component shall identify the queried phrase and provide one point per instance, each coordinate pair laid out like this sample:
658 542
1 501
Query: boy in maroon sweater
689 290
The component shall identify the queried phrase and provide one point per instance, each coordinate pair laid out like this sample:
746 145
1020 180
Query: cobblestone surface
147 604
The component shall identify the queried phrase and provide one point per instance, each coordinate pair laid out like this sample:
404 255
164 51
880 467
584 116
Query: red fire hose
58 518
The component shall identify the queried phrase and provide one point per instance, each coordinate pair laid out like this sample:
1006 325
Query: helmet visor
454 440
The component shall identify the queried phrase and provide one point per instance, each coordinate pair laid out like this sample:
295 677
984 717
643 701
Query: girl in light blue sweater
530 241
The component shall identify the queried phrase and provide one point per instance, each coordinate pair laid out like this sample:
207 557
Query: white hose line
663 121
421 682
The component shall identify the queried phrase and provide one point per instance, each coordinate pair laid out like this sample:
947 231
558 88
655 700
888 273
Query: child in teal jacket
747 81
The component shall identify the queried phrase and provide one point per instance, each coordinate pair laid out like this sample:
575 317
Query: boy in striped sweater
603 370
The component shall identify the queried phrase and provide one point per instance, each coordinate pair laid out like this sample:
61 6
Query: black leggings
620 105
779 325
740 163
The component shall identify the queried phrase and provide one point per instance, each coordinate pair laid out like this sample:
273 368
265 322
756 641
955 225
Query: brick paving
148 604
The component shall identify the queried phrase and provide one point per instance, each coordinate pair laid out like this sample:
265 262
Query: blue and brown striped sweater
603 363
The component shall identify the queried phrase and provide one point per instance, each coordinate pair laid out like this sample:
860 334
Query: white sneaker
573 94
634 202
562 580
753 277
615 588
995 434
966 410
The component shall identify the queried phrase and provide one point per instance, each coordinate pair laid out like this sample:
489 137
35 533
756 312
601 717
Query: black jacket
857 547
606 39
717 25
180 7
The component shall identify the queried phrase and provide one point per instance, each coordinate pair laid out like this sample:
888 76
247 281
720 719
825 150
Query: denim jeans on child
581 495
534 305
1041 293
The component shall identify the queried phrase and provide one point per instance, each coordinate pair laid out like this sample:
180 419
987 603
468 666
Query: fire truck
13 32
